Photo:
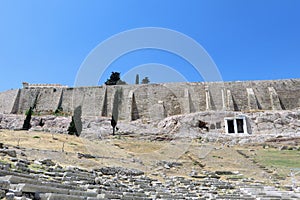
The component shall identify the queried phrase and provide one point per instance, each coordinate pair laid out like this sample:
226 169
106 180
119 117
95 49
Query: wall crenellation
155 101
40 85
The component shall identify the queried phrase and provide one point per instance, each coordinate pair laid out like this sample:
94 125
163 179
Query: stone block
4 184
30 188
9 152
52 196
83 193
47 162
6 172
2 193
10 196
112 196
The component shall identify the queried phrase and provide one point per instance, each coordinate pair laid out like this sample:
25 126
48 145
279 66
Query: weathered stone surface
4 184
9 152
180 126
10 196
53 196
121 183
30 188
11 121
166 99
2 193
121 171
47 162
168 164
17 179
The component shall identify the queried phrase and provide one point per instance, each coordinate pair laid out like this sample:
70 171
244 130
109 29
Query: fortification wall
156 101
9 101
44 100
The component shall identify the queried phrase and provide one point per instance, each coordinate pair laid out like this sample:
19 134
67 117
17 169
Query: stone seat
54 174
29 188
97 198
17 179
83 193
79 174
6 172
135 198
112 196
59 185
236 196
71 176
52 196
4 184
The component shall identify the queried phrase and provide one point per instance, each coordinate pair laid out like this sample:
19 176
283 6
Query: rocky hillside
35 165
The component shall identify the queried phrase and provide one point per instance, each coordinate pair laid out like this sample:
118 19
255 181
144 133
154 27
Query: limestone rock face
48 123
275 122
11 122
178 126
9 152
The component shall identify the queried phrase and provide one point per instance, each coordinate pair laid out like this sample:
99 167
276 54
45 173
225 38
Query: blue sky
47 41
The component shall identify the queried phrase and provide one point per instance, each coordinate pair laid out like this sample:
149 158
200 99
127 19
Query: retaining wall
156 101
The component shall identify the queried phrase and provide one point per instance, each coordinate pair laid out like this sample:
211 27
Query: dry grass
140 154
45 141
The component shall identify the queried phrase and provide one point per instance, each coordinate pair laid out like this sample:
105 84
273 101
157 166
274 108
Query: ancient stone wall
156 101
9 101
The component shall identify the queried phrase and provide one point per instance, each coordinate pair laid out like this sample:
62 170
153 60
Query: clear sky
47 41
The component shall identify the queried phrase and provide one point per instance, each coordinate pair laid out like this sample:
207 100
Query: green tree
145 80
137 79
113 79
113 123
26 124
72 127
75 127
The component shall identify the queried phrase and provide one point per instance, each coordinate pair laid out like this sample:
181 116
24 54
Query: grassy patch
5 162
36 167
36 137
280 159
236 177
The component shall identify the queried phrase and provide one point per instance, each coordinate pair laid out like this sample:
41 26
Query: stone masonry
154 101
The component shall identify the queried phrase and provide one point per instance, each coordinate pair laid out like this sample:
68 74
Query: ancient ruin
158 101
235 120
155 100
